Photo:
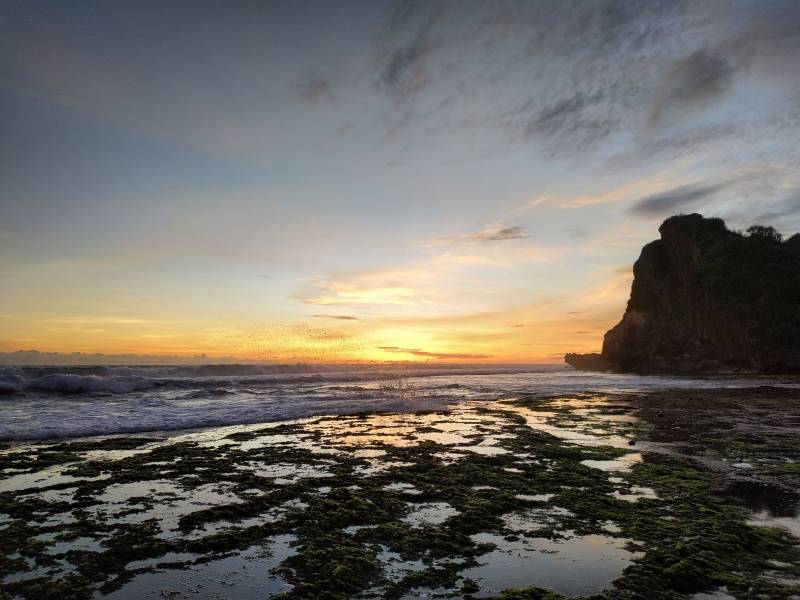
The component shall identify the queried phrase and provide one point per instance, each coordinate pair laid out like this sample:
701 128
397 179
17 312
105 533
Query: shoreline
196 404
391 505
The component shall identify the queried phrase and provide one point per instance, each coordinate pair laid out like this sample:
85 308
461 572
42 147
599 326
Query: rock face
706 299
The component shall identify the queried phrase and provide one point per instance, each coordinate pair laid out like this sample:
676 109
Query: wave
44 405
75 384
127 379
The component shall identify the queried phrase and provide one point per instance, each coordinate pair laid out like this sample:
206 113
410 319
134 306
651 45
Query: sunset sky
433 181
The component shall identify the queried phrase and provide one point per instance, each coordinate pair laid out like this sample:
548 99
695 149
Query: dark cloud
692 81
673 200
445 355
571 118
500 234
313 89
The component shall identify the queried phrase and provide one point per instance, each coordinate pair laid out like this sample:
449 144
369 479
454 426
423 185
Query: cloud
397 286
346 294
572 118
438 355
35 357
571 72
313 90
568 76
490 233
497 234
576 232
787 209
673 200
403 72
336 317
692 81
634 188
108 320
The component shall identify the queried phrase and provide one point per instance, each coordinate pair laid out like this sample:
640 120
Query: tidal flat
669 494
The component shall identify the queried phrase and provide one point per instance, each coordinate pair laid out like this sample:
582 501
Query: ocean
68 402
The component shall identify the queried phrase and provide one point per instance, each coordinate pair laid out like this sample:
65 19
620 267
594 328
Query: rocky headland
707 299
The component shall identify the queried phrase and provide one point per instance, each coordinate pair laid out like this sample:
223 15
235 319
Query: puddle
394 567
623 463
44 478
249 573
765 519
772 506
485 450
582 565
163 501
636 493
534 497
572 433
286 472
720 594
403 488
535 519
429 513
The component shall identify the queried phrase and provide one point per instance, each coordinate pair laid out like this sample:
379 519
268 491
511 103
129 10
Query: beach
657 493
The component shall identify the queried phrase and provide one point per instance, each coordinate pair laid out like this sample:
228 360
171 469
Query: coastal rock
707 299
586 362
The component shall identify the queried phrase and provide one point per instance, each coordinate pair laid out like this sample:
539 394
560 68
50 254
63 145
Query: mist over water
64 402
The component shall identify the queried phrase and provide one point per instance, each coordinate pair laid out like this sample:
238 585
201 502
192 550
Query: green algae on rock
391 506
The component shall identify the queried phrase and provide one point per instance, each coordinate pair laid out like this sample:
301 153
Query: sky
372 181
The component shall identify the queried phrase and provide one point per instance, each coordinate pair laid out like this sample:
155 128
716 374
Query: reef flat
669 494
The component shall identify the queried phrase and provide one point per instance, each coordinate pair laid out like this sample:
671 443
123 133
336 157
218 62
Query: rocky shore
658 495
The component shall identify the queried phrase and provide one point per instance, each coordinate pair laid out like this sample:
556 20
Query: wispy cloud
345 294
631 189
335 317
97 320
576 232
438 355
497 234
376 287
676 199
313 89
573 115
403 71
692 81
785 209
35 357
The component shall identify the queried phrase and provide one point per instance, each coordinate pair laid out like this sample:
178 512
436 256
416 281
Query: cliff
706 299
